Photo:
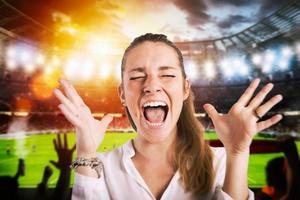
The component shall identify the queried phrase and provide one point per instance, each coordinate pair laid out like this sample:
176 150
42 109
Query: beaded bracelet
94 163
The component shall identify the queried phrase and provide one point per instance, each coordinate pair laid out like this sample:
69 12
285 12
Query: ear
121 94
187 86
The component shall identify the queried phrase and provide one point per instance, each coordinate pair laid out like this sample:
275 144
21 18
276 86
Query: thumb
54 163
211 111
106 120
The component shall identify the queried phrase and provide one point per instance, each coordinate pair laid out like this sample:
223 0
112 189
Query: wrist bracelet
95 163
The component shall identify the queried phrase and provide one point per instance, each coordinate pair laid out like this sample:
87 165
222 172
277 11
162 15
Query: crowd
10 185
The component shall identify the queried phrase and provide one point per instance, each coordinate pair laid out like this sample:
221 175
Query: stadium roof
286 19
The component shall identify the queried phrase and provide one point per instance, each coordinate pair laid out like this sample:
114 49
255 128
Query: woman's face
154 89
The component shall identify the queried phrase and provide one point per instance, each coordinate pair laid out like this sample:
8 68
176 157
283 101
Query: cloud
195 10
232 2
233 20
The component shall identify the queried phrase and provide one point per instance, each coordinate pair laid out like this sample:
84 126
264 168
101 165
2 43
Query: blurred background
225 44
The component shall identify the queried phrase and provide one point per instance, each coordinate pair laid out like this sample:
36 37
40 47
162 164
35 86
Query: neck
159 151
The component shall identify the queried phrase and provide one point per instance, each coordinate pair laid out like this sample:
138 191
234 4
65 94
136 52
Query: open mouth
155 112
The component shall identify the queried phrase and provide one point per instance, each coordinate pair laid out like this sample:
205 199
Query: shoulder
115 155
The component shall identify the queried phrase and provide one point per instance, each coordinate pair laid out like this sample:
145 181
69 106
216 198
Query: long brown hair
193 157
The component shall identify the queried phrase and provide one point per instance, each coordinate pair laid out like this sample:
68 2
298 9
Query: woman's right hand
89 131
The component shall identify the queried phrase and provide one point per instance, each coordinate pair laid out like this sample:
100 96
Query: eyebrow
162 68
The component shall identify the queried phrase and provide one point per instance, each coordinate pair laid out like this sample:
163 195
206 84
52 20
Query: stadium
35 55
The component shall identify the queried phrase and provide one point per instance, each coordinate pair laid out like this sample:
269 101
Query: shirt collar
128 149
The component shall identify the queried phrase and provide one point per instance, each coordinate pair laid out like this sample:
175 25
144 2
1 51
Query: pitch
38 150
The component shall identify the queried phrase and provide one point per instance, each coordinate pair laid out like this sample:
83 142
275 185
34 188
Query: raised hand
89 131
63 152
237 128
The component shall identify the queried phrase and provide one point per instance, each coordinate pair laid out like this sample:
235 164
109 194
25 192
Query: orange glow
22 103
42 85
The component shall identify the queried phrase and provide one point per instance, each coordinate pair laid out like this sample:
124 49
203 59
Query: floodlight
270 57
209 69
105 70
11 64
283 64
25 57
29 67
11 52
191 70
40 59
257 59
71 68
286 52
87 69
266 68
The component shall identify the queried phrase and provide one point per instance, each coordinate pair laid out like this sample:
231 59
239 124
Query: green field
38 150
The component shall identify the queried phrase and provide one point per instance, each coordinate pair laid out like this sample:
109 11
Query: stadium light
286 52
266 68
25 57
209 69
48 70
29 67
257 59
55 61
40 59
71 68
226 67
283 64
191 70
104 70
87 69
11 64
240 66
11 52
269 56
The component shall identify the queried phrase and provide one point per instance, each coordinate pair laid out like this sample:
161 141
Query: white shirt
120 180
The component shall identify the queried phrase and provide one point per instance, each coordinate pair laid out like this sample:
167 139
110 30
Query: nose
151 85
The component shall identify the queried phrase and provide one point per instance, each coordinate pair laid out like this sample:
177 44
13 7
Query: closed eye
169 75
136 77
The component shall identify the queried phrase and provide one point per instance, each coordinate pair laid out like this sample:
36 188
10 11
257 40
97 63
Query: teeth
154 104
154 124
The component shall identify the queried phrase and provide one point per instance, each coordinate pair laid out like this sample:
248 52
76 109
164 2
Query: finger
59 141
73 148
71 92
64 100
263 109
258 99
65 141
106 120
55 145
269 122
54 163
246 96
211 111
69 115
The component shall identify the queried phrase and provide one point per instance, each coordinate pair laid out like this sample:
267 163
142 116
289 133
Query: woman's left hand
237 128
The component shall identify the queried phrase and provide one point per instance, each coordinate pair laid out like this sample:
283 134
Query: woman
169 158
